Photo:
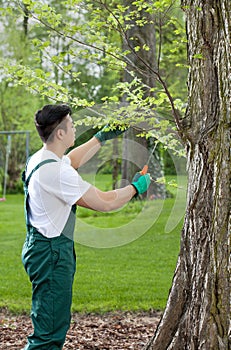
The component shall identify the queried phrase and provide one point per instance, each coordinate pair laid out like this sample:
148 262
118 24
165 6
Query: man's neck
57 149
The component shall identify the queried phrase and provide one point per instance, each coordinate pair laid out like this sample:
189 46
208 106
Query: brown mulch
111 331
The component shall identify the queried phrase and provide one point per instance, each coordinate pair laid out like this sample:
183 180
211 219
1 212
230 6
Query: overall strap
26 183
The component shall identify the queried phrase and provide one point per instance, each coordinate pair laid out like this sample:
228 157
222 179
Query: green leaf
198 56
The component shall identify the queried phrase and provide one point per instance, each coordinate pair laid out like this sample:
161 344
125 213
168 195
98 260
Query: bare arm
106 201
81 154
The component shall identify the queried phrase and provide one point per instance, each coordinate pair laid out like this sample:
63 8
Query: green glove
141 182
108 134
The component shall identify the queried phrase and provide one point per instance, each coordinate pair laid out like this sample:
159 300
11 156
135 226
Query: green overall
50 264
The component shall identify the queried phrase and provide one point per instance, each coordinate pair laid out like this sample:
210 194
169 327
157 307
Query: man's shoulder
39 157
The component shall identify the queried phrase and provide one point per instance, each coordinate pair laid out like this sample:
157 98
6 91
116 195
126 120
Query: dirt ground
111 331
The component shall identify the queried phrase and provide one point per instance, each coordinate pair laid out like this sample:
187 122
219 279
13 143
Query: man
53 188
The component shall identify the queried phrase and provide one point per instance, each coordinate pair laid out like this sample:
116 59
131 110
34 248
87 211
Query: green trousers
50 264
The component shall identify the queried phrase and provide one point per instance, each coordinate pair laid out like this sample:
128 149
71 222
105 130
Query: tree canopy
72 52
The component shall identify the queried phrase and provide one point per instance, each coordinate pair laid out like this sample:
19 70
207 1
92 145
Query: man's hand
141 182
107 133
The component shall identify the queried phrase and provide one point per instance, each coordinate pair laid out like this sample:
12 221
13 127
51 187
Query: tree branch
125 59
154 72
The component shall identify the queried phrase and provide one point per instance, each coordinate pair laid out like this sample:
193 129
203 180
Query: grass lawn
125 260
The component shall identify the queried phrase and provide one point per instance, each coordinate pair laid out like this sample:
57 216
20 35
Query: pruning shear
145 168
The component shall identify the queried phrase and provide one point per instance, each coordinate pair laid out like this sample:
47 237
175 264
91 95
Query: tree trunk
197 314
25 19
139 36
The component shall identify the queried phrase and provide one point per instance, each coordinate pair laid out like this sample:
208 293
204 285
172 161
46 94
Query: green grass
133 272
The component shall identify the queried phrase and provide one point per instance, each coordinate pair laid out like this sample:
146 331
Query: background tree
16 105
197 315
21 44
77 56
140 41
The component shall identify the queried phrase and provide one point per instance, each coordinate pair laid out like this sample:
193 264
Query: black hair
48 118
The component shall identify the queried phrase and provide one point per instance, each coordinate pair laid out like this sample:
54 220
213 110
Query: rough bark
197 315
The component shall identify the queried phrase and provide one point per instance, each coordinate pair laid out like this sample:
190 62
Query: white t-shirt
53 189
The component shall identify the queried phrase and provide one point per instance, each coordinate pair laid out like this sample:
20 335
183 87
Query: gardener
52 189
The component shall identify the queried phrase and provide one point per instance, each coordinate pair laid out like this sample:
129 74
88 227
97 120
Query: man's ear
59 134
